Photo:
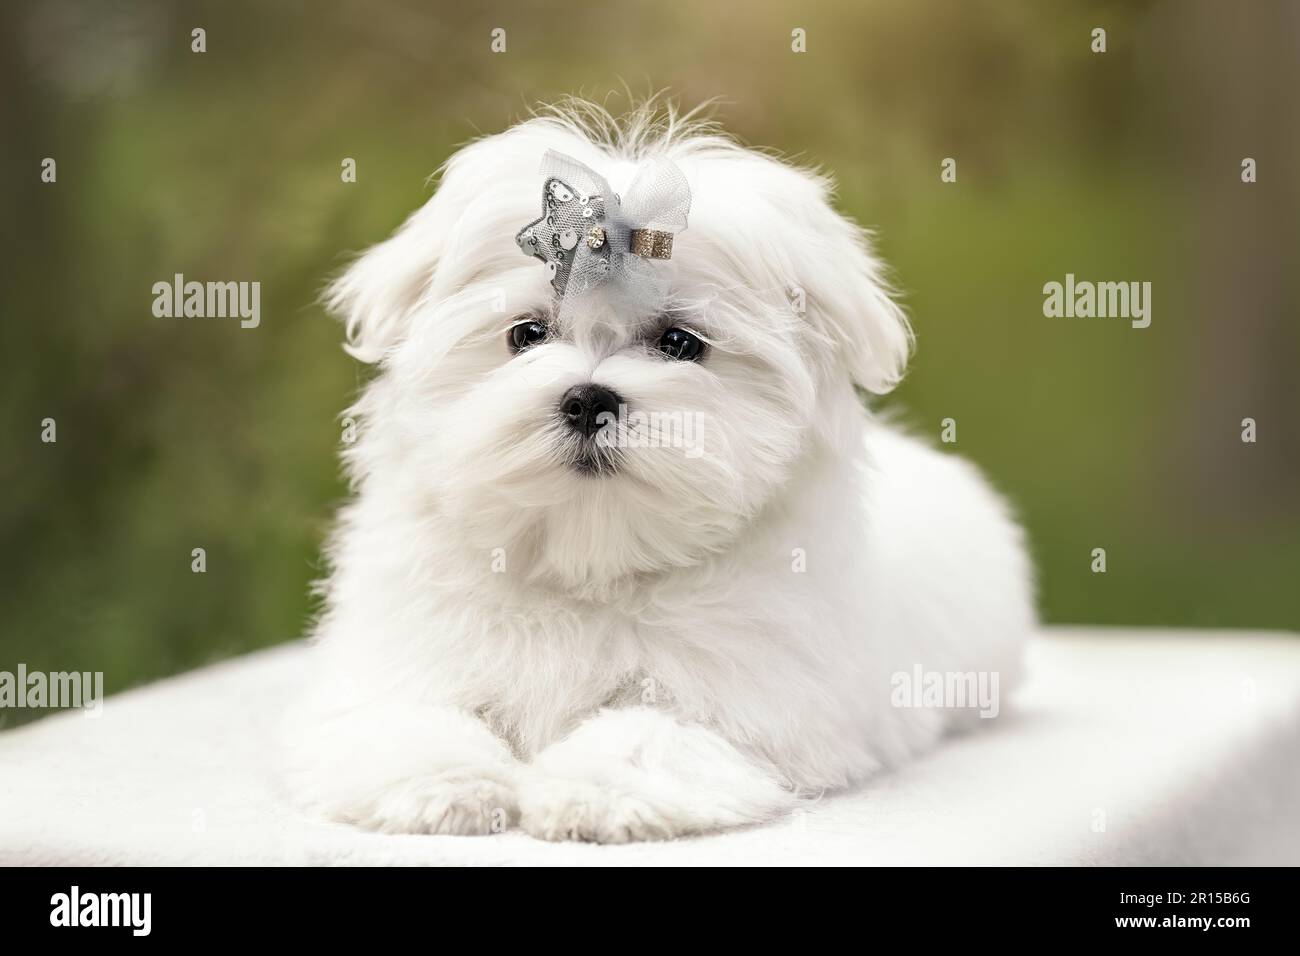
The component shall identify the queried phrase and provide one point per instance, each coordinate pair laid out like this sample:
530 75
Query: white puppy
691 626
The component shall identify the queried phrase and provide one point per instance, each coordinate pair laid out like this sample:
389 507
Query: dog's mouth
594 462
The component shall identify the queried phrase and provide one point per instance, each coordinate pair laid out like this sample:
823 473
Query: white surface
1187 742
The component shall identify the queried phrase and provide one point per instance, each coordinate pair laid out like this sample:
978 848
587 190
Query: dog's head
604 440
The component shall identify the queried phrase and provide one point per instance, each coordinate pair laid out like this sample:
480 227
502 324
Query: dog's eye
526 334
681 345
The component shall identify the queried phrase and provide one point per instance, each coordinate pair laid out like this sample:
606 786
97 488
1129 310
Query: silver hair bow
587 235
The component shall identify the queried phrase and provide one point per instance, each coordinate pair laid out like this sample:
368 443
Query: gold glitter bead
652 243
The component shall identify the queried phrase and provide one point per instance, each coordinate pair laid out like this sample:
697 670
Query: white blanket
1124 747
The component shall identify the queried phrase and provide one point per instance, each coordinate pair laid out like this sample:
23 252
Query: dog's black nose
583 405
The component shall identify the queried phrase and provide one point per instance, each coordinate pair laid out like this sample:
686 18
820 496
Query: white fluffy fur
649 662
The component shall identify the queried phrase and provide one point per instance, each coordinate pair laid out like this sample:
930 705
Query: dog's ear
380 296
850 302
379 293
787 230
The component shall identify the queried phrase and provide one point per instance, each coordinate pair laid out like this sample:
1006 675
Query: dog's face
611 441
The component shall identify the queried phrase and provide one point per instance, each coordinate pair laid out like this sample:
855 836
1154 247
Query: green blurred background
176 434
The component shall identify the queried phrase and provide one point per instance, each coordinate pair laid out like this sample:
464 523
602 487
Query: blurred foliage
225 165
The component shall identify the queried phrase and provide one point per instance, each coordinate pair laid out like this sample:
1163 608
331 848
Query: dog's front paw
462 803
639 774
577 810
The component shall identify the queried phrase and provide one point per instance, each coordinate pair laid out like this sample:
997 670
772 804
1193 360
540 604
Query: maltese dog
628 556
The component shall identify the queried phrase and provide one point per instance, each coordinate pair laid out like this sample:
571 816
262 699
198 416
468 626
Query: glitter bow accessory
588 235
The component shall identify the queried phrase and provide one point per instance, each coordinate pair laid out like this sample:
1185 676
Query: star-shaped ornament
570 225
